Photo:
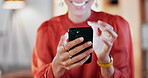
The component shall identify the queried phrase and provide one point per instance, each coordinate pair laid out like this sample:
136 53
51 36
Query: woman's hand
103 42
64 60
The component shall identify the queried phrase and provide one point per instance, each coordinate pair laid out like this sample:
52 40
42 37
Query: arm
121 52
103 43
41 66
45 64
43 71
120 49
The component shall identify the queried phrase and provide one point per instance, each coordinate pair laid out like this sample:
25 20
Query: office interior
18 32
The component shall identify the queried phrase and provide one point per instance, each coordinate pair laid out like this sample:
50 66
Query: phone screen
86 33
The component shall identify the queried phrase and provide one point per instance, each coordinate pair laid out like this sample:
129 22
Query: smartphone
86 33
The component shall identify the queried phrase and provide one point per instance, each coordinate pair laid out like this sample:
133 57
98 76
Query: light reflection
13 4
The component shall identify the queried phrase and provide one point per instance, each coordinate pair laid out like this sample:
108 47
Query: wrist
58 70
106 65
104 60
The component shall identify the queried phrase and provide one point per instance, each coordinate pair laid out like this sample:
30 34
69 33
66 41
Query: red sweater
48 37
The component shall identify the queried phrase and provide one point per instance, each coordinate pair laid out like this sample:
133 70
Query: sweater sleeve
42 55
123 52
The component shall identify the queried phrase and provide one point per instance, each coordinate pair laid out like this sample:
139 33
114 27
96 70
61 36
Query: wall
132 13
145 36
17 39
145 50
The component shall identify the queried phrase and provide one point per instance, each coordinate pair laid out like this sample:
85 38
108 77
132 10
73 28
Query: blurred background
19 23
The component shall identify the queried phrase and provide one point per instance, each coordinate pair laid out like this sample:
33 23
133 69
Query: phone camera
77 32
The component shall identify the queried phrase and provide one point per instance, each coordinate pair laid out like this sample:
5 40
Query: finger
95 26
67 62
62 42
63 39
82 55
64 56
101 23
80 48
108 45
78 64
112 34
67 55
96 31
71 44
107 36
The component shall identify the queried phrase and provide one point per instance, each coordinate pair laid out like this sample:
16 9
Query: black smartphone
86 33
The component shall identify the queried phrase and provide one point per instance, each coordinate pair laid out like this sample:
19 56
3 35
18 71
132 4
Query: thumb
94 26
63 39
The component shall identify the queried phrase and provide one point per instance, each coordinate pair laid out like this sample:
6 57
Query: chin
80 12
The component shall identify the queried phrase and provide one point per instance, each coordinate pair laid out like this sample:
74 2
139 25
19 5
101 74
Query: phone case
86 33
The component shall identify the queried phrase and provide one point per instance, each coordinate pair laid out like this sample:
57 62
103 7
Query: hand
103 42
63 60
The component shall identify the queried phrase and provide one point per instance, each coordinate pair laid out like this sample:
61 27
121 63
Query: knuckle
64 63
79 64
116 35
61 57
72 52
85 53
77 40
68 45
110 27
85 45
59 48
110 44
72 44
67 63
78 58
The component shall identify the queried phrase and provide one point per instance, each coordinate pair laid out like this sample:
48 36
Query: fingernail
81 38
89 23
89 43
99 21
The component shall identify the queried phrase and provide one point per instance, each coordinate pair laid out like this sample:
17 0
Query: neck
79 18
